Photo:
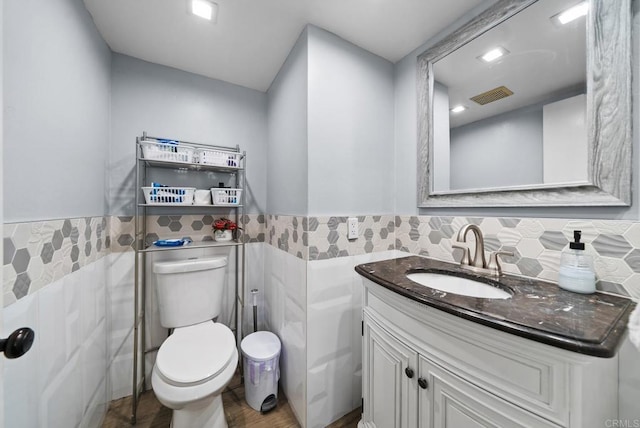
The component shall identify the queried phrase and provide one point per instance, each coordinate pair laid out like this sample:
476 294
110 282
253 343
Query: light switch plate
352 225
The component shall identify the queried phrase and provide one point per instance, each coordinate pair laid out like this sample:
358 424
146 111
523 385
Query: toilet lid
194 354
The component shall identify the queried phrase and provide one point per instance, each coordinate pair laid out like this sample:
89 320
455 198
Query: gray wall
287 117
166 102
406 141
56 111
350 128
510 149
330 130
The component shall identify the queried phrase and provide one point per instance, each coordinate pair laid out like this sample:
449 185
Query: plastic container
167 151
169 195
218 158
228 197
202 197
576 268
261 353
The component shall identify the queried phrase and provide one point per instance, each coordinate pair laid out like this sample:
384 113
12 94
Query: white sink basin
457 285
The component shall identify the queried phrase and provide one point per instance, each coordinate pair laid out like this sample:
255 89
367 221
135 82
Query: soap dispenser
576 268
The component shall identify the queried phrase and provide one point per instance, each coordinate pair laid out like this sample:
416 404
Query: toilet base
207 413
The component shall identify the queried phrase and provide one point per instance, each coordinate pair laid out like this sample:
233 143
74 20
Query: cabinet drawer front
520 371
457 403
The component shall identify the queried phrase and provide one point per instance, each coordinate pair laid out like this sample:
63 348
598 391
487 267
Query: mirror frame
608 115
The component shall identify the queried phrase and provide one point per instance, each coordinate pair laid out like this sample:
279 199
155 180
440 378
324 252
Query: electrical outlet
352 225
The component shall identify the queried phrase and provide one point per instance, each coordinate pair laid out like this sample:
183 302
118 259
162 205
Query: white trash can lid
260 346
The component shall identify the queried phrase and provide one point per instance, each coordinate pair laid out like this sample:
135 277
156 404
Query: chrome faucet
478 263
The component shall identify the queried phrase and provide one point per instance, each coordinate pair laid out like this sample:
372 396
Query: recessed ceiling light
572 13
204 9
494 54
458 109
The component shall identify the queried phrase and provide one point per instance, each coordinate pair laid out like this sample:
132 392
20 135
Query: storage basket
169 152
226 196
218 158
169 195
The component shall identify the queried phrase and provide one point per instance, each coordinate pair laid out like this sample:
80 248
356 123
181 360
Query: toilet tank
189 291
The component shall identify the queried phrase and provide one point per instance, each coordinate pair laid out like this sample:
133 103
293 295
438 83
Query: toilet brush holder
254 303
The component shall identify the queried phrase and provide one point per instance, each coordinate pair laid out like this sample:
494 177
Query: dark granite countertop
592 324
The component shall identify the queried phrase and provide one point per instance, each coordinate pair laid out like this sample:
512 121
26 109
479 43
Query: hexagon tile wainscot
39 253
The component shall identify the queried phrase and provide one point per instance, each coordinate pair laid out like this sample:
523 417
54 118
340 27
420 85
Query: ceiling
252 38
546 61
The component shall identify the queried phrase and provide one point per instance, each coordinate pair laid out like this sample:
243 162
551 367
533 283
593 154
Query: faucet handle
466 253
494 261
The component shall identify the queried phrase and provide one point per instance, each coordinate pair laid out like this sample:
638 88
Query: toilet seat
195 354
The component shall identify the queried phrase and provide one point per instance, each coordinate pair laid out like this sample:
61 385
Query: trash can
261 353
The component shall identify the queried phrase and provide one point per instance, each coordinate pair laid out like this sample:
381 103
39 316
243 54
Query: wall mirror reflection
529 101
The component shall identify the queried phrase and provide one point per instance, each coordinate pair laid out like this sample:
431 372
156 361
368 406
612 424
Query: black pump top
576 245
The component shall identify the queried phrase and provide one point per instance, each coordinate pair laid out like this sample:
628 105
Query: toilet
198 360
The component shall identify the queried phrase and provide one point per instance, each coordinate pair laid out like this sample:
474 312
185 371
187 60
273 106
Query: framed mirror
529 104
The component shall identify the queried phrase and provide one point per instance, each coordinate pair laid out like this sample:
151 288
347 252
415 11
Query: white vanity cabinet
423 368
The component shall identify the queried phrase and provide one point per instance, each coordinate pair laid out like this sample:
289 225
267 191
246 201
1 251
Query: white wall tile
73 324
21 392
121 373
328 399
95 413
293 367
286 317
120 316
93 363
294 278
120 291
54 383
329 279
52 329
61 401
329 330
334 341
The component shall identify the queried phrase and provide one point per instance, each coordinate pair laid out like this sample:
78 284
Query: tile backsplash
38 253
536 244
321 238
196 227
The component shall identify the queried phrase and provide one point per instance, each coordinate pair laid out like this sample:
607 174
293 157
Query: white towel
634 327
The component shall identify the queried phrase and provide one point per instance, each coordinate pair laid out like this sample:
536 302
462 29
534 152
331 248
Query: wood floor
151 414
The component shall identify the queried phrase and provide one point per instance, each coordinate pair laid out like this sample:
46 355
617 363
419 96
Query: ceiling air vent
492 95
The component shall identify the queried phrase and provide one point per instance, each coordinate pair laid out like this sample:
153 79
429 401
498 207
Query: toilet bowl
198 360
192 368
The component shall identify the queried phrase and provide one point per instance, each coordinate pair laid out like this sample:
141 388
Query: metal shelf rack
142 249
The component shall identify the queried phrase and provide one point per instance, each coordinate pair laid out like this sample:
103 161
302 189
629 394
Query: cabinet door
451 402
389 387
425 393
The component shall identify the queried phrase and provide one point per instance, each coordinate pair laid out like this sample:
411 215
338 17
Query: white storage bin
261 352
169 195
154 150
218 158
229 197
